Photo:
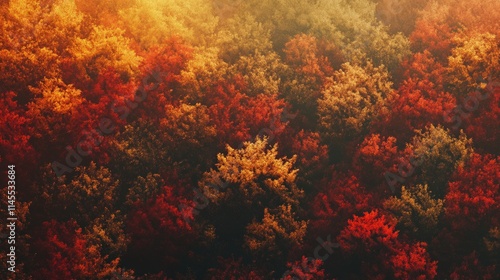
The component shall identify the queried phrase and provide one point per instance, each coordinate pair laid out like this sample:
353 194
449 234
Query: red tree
312 155
472 268
342 197
160 233
239 118
64 253
161 77
417 103
307 57
369 233
374 157
474 193
482 125
305 269
433 35
374 239
413 262
15 134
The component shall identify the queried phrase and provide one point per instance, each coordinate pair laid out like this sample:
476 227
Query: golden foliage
416 210
351 100
253 171
276 228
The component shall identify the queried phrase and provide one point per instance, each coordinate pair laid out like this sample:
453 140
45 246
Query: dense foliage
271 139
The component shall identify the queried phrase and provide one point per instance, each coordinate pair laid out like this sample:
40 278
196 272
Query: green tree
87 196
492 242
416 210
141 146
144 189
183 139
90 200
242 35
275 234
261 72
351 25
436 155
189 135
377 45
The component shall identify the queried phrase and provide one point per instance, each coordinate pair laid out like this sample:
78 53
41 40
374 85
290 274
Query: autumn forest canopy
270 139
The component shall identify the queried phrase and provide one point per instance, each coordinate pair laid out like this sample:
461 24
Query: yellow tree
248 184
55 40
150 22
399 15
25 57
310 62
261 72
254 171
351 100
102 50
255 175
201 71
474 61
53 110
103 12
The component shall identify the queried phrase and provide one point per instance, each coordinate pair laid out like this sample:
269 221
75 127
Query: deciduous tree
351 100
64 253
255 176
413 262
436 155
305 269
416 210
160 234
245 182
342 197
275 234
474 192
375 156
473 61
